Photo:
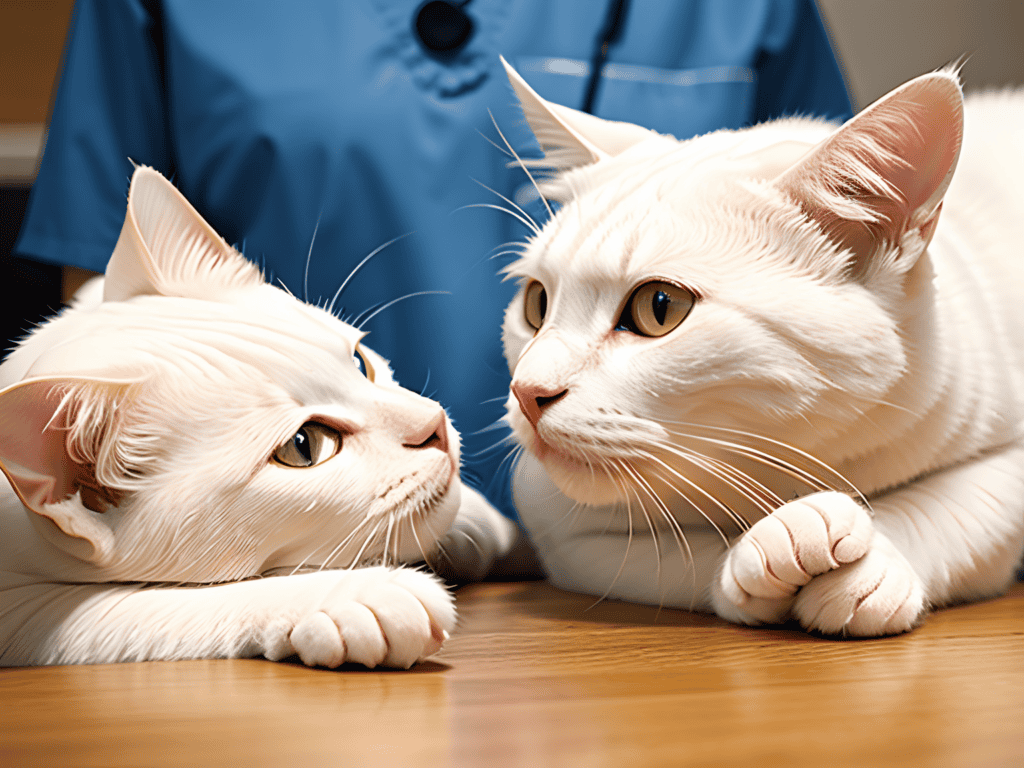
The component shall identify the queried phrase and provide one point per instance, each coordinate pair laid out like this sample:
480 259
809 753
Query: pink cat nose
433 434
534 398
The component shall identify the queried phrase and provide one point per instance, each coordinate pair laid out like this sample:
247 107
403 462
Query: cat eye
536 305
656 308
363 364
313 444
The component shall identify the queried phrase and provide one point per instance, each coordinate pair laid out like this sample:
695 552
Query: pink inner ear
929 144
887 169
33 456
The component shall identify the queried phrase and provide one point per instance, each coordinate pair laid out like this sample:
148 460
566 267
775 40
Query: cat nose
433 434
534 398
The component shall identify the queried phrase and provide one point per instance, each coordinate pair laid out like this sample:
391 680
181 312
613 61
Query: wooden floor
533 678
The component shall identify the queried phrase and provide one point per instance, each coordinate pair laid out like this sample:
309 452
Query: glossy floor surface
534 678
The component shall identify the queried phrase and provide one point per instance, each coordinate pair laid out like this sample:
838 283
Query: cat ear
47 451
882 175
568 137
166 248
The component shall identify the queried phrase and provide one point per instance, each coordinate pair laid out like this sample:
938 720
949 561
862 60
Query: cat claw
781 553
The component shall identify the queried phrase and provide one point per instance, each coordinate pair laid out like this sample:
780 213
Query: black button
443 27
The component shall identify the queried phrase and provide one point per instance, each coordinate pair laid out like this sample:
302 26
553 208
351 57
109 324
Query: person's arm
798 73
109 112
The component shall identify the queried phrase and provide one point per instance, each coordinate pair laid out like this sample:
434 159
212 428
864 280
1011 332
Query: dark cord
609 34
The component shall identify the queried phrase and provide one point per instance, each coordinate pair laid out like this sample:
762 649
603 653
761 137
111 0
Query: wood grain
536 677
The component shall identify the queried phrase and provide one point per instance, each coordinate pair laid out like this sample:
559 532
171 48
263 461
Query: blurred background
881 43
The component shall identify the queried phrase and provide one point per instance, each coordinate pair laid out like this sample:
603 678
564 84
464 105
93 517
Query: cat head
201 425
759 280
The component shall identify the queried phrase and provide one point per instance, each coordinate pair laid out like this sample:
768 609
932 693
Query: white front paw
372 616
880 594
762 572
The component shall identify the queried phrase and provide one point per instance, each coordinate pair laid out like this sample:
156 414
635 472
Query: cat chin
423 531
581 482
416 533
577 478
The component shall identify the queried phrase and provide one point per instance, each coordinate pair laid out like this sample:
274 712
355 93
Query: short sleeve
109 112
797 72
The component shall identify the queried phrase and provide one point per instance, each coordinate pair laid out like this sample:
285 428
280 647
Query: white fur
850 346
145 513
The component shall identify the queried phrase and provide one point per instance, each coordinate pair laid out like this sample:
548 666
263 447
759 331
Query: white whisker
526 222
309 257
731 476
522 165
776 462
533 224
629 471
495 144
376 312
713 499
338 548
629 539
357 560
360 265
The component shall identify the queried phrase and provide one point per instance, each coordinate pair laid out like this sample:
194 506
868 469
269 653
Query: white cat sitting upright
197 428
757 373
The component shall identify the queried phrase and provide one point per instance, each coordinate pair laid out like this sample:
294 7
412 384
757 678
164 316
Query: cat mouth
569 462
420 491
598 477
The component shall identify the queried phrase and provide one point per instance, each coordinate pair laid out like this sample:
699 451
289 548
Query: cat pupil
302 445
660 306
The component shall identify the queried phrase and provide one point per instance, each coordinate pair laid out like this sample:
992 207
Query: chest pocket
680 102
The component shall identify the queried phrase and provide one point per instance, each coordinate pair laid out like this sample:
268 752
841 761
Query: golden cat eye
313 444
536 304
363 364
656 308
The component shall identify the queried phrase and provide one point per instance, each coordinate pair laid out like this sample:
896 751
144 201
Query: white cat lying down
708 328
197 429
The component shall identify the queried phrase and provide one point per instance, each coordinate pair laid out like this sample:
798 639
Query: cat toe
733 602
318 642
878 595
364 638
785 551
800 540
435 598
277 643
413 613
824 530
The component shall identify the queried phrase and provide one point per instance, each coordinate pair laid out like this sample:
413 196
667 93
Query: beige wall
882 43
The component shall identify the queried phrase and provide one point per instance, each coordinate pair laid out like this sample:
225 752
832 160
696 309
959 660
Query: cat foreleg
483 542
953 536
765 568
369 616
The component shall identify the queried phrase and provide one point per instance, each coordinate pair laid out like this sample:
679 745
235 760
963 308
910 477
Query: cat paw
374 616
880 594
763 571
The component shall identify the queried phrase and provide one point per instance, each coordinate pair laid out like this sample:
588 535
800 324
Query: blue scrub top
278 120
